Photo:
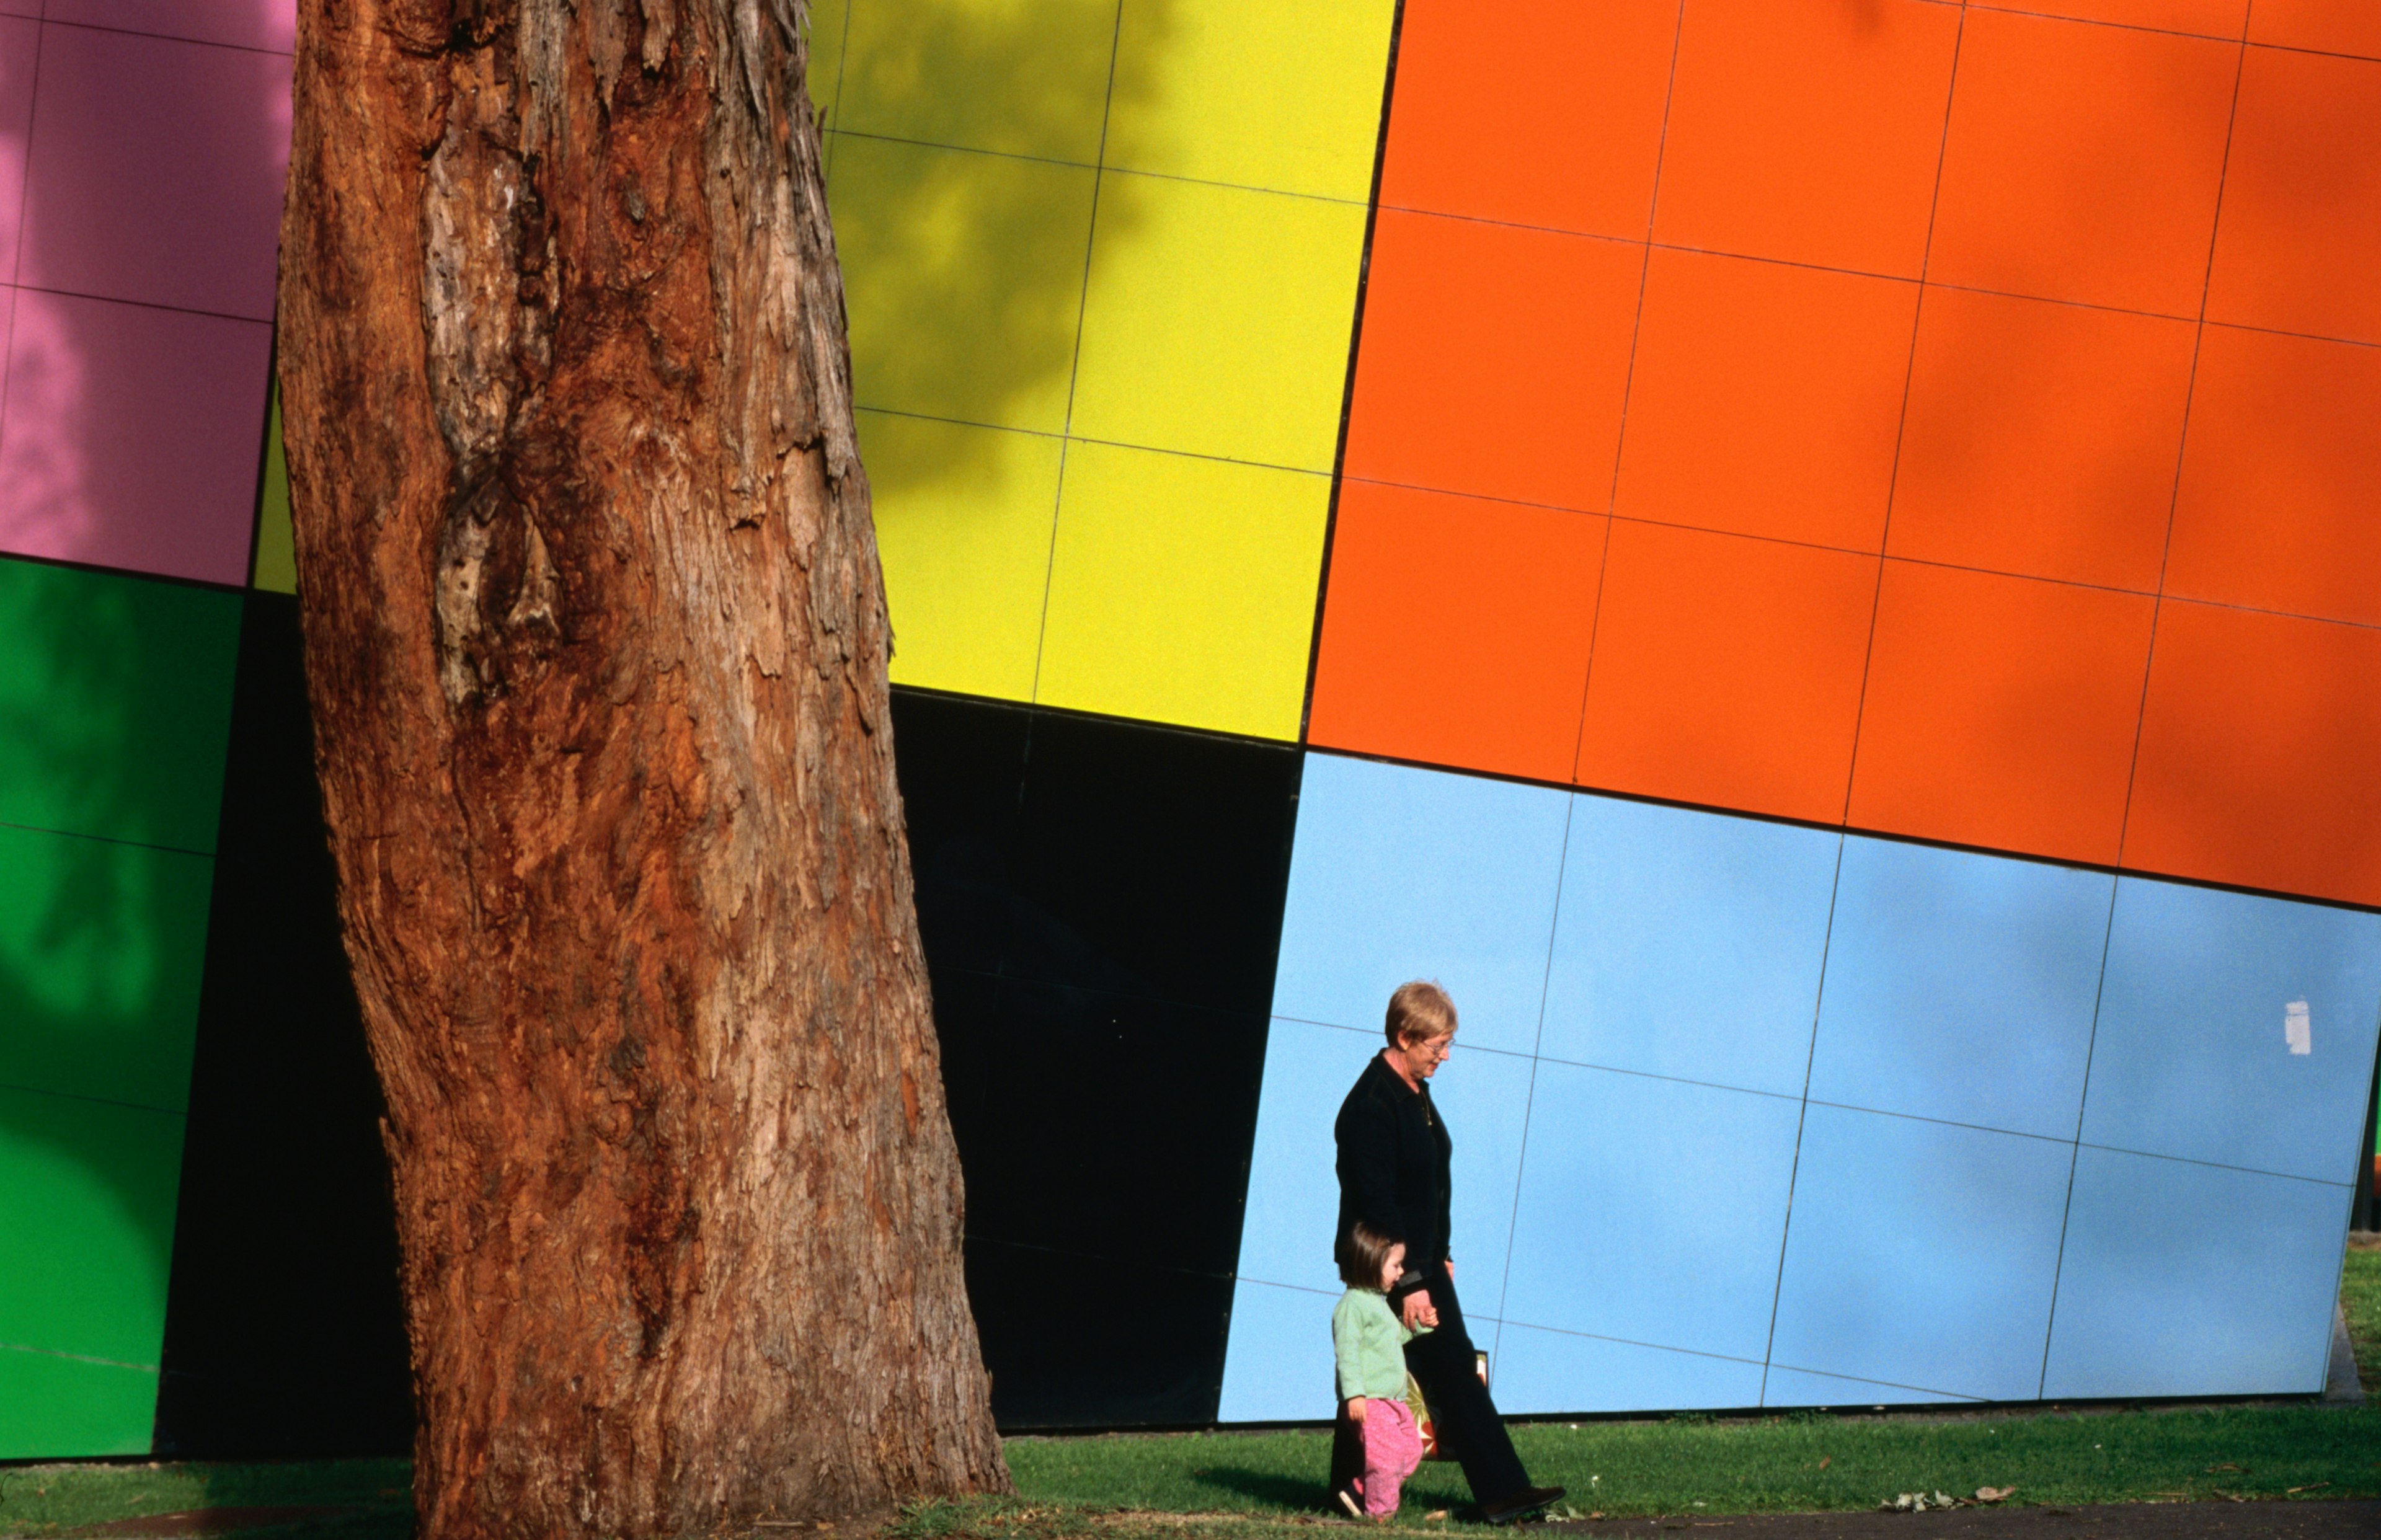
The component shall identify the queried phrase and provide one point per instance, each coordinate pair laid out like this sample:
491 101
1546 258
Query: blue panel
1485 1098
2192 1280
1540 1372
1293 1193
1689 945
1401 873
2194 1054
1798 1388
1651 1210
1277 1359
1294 1187
1960 988
1920 1254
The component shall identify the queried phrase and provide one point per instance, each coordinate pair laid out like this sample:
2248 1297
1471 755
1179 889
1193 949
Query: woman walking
1395 1165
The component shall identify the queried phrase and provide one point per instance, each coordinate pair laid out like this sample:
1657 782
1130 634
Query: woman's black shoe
1521 1505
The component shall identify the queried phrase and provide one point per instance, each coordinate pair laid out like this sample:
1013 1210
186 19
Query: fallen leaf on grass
2227 1465
1435 1513
1993 1494
1824 1460
2229 1496
2311 1486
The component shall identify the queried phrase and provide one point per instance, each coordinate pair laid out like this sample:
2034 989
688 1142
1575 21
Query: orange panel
2330 26
1765 400
2281 477
2259 751
2217 18
2041 438
2300 244
1538 112
1807 130
1456 631
2083 162
1726 671
2000 711
1494 359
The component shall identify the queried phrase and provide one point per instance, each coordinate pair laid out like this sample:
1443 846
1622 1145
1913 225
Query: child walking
1369 1341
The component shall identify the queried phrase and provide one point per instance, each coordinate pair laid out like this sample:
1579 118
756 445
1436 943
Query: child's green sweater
1369 1341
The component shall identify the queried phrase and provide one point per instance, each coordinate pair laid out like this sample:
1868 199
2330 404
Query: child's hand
1356 1409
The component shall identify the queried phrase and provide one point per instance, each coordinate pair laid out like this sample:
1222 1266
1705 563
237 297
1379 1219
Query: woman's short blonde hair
1419 1012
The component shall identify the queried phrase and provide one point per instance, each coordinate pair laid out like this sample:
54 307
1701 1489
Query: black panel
1081 1341
283 1331
962 765
1101 902
1167 853
1117 1127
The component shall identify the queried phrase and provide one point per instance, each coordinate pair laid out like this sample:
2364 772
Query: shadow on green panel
965 138
114 704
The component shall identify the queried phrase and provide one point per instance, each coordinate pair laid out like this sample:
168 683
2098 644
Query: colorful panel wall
1939 421
1750 1113
1812 562
1102 262
142 148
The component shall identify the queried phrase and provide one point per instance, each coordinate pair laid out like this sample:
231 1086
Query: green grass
1248 1486
1765 1464
46 1500
2359 1291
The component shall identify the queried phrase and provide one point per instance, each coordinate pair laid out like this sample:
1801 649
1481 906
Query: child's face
1391 1265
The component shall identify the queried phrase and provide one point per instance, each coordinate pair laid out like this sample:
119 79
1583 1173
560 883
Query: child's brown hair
1362 1257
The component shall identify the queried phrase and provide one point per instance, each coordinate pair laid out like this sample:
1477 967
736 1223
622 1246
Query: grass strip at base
47 1499
1789 1463
2360 1295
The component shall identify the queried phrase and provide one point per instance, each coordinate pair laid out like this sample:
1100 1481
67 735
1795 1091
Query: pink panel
19 47
242 23
20 7
156 171
131 437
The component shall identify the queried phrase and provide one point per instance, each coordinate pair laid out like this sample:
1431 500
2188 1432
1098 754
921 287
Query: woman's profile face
1421 1056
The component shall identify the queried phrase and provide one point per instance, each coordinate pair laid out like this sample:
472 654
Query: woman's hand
1355 1408
1419 1310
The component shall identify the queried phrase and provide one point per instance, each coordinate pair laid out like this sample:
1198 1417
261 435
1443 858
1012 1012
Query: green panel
275 565
963 522
1217 321
830 23
1182 590
1018 77
964 275
114 704
102 949
54 1408
86 1208
1255 93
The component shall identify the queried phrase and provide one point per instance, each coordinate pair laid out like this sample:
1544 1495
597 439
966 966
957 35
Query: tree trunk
596 645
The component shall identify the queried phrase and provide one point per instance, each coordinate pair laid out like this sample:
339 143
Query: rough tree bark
596 645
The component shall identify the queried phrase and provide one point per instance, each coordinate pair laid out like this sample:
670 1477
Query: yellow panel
963 522
828 20
1182 590
964 278
1257 92
276 564
1021 77
1217 321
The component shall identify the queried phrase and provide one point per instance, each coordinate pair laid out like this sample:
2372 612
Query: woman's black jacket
1394 1159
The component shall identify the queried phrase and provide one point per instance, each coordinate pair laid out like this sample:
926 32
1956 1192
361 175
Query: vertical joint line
2075 1148
1074 358
1802 1116
1348 386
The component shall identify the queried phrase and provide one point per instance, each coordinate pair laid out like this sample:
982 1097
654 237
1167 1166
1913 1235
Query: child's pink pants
1392 1450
